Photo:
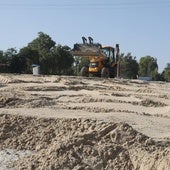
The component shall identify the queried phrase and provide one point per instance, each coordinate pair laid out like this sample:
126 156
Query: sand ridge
85 123
81 144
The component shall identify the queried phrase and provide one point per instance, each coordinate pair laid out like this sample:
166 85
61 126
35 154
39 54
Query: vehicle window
106 52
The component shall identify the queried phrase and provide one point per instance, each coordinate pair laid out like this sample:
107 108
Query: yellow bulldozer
103 60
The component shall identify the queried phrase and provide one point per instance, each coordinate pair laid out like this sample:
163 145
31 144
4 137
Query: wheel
105 72
84 71
113 71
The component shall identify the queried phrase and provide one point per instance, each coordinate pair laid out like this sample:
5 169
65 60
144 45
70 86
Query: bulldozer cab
108 52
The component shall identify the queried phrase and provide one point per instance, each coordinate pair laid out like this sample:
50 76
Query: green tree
17 64
3 63
28 56
62 60
1 55
10 52
79 62
160 77
128 66
148 67
43 44
12 60
166 72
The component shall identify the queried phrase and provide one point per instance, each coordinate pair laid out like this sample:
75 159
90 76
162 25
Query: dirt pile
62 122
81 144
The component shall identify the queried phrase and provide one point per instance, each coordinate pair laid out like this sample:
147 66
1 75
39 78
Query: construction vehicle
103 60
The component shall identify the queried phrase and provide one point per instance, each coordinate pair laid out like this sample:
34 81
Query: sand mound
81 144
4 79
61 122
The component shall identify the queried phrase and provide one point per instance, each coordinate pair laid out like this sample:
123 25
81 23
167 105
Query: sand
61 122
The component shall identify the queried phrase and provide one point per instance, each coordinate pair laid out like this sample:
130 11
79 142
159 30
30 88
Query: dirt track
77 123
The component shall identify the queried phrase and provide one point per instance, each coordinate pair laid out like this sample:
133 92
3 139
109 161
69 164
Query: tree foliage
3 63
28 56
128 66
79 62
166 72
10 56
62 60
41 51
148 67
56 59
43 44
